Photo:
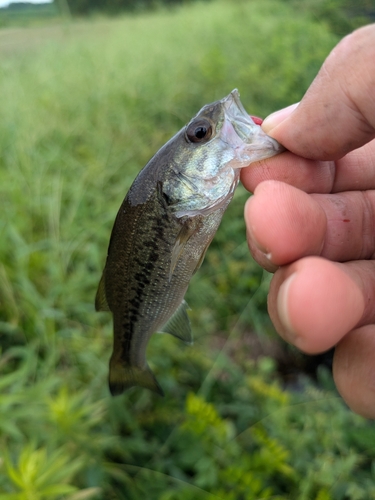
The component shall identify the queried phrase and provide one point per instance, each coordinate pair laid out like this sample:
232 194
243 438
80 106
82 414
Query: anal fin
179 324
201 258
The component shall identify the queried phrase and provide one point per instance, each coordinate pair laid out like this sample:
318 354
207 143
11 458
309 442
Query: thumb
337 113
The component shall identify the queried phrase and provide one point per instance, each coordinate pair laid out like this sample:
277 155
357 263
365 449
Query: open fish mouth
248 139
237 115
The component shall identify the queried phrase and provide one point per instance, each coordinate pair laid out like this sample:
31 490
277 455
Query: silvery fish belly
164 227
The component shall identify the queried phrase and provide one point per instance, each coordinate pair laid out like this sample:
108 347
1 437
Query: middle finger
286 224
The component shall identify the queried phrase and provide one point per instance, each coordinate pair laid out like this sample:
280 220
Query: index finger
356 171
337 113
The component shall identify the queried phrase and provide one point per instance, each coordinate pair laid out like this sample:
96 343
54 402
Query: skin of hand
311 219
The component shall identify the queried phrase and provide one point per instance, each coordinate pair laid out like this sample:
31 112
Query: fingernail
250 234
283 310
250 237
277 117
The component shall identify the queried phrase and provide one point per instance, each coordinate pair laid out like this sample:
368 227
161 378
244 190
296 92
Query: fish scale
164 227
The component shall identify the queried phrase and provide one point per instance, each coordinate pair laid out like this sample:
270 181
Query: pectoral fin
179 324
186 232
101 303
201 258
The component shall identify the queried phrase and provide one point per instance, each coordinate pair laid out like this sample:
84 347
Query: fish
164 227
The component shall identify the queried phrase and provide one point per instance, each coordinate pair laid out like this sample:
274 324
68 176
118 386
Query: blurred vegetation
341 15
84 7
81 115
26 14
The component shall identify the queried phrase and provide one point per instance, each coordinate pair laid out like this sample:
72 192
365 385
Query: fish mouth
248 139
236 114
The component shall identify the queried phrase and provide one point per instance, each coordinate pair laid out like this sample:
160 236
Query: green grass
29 14
81 113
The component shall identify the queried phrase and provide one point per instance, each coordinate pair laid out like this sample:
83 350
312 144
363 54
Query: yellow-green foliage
83 106
39 475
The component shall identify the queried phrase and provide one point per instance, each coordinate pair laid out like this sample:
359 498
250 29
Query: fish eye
199 131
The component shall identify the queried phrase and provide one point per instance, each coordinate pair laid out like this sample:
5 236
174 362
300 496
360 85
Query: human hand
311 219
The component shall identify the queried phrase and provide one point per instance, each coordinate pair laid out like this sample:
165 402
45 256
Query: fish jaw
246 138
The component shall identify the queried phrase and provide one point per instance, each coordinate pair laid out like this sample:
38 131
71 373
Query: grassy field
83 107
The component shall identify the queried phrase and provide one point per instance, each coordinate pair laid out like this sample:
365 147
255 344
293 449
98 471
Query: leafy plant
39 475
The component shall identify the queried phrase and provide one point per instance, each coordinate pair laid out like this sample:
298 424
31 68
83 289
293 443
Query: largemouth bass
164 227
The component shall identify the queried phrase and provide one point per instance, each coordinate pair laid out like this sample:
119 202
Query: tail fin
123 376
